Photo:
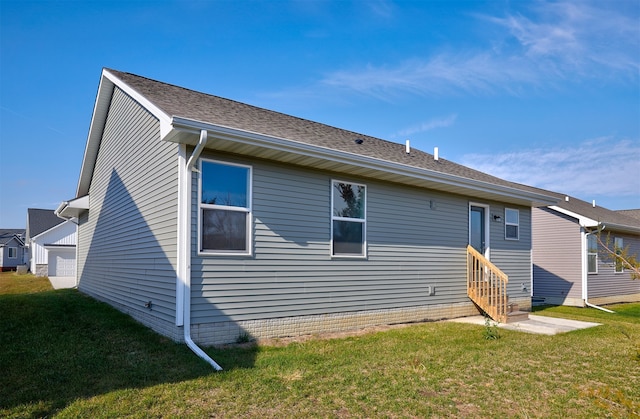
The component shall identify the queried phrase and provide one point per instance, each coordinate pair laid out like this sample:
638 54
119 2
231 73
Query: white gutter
183 280
72 208
585 271
58 213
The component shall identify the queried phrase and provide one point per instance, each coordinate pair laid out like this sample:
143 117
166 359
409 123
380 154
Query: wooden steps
487 288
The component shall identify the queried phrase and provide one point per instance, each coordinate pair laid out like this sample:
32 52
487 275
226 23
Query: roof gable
41 220
64 233
9 234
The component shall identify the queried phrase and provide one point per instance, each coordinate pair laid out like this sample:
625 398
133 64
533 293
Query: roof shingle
181 102
41 220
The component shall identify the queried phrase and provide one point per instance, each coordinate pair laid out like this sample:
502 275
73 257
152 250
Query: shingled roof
7 234
41 220
273 135
614 219
178 101
634 213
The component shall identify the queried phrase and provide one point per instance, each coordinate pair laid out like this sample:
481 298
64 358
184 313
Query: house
206 219
11 249
52 244
570 267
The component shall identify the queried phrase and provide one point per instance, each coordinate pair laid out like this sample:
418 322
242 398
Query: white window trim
615 261
511 224
248 210
15 253
363 221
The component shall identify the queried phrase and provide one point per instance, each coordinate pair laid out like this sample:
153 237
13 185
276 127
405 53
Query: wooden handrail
487 285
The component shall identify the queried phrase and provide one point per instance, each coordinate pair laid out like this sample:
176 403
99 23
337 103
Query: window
13 252
592 254
348 219
224 208
511 224
618 246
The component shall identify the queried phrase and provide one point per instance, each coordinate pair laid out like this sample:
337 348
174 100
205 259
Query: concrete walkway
536 324
59 282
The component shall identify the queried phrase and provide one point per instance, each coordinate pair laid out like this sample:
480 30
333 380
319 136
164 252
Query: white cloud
444 73
427 126
381 8
556 42
578 35
603 167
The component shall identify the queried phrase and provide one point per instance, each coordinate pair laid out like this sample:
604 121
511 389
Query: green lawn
65 355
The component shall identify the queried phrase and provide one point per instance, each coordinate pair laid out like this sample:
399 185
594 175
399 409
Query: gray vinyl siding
513 257
127 241
557 255
5 260
291 272
608 283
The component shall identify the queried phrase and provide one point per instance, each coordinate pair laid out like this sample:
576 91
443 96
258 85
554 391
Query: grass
12 283
65 355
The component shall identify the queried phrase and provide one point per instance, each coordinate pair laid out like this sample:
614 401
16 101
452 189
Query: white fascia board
108 82
281 144
51 229
582 220
165 120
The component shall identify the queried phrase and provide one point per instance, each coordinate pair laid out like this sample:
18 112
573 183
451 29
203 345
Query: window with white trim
592 254
511 224
13 252
618 246
224 206
348 219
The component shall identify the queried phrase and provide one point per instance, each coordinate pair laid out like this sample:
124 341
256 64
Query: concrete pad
59 282
536 324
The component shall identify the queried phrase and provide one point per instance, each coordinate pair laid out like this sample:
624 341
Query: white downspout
585 272
183 290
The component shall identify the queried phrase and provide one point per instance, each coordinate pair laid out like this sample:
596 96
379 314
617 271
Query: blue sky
543 93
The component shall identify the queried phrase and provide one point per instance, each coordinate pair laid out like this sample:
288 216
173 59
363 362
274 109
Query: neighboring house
52 243
569 266
11 249
231 219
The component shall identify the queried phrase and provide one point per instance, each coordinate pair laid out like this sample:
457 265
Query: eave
73 208
590 223
287 151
